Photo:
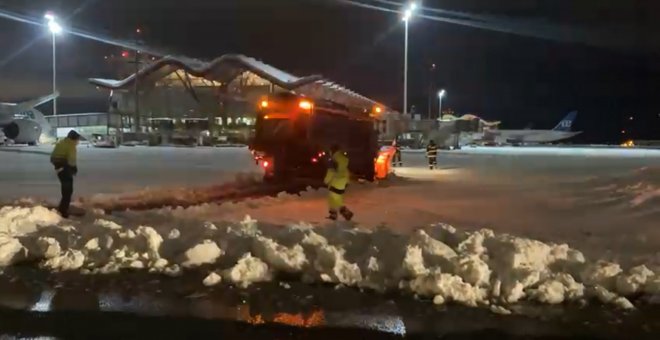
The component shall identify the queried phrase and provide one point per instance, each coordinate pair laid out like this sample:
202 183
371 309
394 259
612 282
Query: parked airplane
562 131
22 122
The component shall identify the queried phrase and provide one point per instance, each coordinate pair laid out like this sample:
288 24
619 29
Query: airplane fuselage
523 136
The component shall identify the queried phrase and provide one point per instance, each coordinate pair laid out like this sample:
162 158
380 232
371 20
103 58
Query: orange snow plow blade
383 162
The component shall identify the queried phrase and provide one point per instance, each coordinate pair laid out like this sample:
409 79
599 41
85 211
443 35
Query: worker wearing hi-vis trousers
432 154
336 178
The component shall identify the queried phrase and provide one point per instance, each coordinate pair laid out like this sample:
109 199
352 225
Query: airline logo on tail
566 124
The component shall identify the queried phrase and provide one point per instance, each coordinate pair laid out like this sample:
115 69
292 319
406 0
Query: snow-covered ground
27 172
602 205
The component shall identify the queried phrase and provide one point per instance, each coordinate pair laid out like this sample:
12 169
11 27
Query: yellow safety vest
65 151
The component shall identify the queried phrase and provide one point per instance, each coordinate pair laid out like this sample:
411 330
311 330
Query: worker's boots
332 215
347 214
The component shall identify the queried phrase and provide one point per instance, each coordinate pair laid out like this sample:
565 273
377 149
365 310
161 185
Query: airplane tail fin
26 105
566 124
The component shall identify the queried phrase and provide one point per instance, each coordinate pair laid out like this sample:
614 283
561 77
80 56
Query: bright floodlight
413 6
407 14
441 93
54 27
49 16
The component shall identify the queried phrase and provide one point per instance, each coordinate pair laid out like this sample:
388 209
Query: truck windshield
272 130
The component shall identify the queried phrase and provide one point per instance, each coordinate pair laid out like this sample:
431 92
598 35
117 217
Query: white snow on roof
107 82
275 72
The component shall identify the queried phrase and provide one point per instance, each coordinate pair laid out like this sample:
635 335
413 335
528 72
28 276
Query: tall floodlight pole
441 94
54 29
407 14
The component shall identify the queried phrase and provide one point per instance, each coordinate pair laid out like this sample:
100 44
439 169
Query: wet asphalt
35 303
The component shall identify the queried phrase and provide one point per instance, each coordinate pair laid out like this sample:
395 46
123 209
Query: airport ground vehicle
293 136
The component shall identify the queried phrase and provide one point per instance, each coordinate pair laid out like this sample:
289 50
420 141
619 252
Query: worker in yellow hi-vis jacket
336 178
63 159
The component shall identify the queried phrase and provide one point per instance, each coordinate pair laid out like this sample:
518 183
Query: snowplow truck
294 134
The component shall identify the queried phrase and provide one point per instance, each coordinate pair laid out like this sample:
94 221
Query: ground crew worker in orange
336 178
63 159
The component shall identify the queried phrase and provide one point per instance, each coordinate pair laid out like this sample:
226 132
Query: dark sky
603 58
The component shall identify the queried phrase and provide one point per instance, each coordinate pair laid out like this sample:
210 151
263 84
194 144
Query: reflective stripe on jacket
431 151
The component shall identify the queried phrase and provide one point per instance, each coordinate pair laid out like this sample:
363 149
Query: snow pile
248 270
17 221
203 253
477 268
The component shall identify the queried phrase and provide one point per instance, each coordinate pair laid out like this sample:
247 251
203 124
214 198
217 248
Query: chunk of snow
205 252
333 267
173 270
314 239
634 281
210 226
48 247
435 252
92 244
248 270
551 291
449 287
413 262
174 234
71 260
291 260
127 234
601 273
160 263
18 221
11 251
110 268
604 295
153 240
249 226
499 310
136 264
509 252
212 279
623 303
474 244
108 224
473 270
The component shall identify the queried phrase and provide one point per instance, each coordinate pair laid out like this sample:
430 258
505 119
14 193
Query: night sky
599 57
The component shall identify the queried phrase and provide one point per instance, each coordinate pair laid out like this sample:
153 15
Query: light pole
441 94
407 14
54 29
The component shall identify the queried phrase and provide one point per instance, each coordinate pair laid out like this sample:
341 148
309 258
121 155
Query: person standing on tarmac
336 178
396 159
432 154
63 159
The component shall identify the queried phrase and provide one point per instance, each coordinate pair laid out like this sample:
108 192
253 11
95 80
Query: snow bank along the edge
472 268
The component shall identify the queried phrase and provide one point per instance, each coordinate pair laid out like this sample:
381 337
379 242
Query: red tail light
314 160
265 164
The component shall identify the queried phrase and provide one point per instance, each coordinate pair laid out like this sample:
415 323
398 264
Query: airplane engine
23 131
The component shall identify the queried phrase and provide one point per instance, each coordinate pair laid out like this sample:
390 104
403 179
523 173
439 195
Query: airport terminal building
183 100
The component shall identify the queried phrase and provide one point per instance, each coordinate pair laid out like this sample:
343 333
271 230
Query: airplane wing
38 101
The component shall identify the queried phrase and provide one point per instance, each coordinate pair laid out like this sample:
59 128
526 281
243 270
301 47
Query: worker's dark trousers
396 159
66 181
432 162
